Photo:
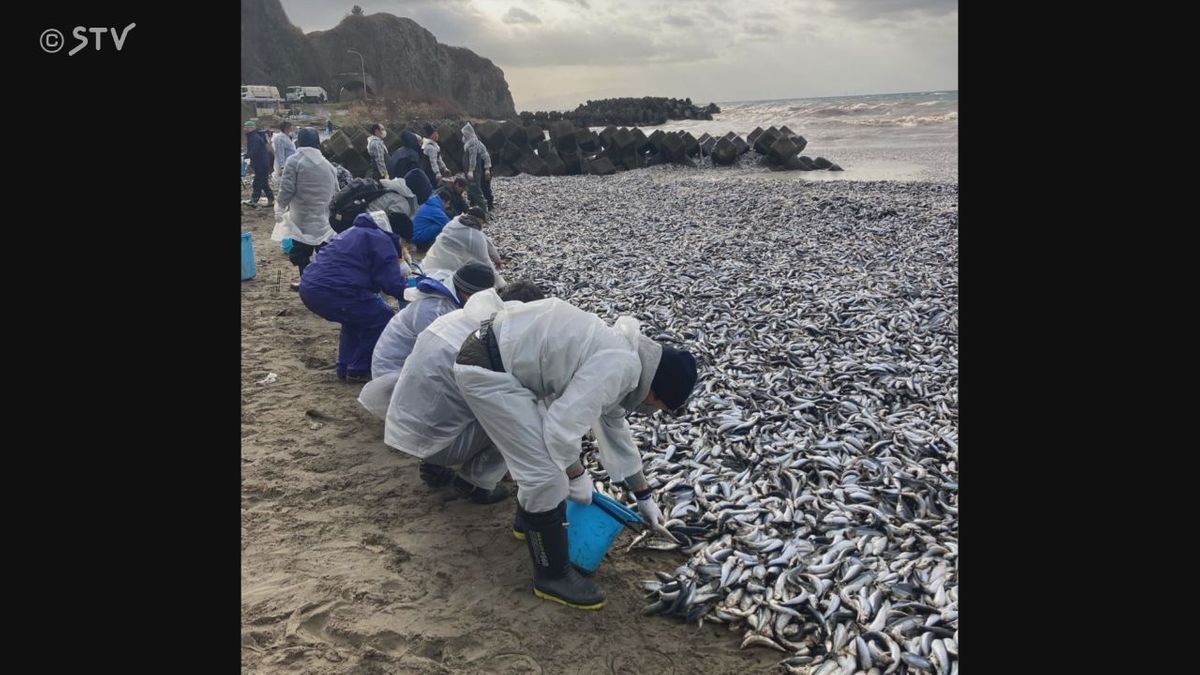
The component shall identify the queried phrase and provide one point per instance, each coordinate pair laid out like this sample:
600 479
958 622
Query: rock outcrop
401 59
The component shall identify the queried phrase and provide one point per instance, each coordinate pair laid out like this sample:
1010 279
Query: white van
306 95
260 93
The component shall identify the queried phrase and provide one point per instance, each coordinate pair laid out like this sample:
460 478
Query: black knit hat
675 377
308 138
401 225
474 277
429 129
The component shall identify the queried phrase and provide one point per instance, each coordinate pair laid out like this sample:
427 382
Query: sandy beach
350 564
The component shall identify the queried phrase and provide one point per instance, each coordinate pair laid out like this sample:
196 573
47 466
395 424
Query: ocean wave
768 110
902 121
848 109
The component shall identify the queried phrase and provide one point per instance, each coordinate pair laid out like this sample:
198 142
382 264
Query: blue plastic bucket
248 270
592 529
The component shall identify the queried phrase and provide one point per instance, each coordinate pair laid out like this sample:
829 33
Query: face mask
383 134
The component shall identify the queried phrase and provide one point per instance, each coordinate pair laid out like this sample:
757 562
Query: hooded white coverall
566 372
427 416
308 184
459 244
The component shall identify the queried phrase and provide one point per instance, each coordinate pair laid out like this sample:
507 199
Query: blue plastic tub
592 528
248 270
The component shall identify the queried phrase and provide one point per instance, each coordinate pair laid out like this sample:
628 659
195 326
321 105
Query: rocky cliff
401 58
274 52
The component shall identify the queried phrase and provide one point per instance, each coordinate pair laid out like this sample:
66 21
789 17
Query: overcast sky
559 53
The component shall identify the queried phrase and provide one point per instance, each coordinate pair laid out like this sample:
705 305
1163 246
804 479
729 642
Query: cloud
517 15
568 51
716 12
893 10
598 45
762 29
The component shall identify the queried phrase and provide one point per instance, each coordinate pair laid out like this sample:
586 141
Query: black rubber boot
434 475
518 533
518 526
554 578
479 495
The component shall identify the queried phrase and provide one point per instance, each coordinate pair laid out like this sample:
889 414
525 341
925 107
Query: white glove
653 516
581 488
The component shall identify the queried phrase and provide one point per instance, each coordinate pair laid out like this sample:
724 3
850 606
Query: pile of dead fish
812 484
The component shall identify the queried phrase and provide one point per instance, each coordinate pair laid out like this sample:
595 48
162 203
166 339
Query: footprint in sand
643 661
508 663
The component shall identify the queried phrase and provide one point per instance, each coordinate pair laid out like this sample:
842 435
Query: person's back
427 412
418 182
434 299
540 377
437 294
407 157
283 146
430 219
258 149
545 343
343 283
477 164
309 182
398 198
474 151
356 264
417 422
460 242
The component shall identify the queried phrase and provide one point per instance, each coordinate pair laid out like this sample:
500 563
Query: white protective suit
473 150
308 185
566 372
284 147
459 244
399 336
396 342
427 417
398 199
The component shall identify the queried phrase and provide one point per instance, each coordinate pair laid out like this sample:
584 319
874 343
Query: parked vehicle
306 95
